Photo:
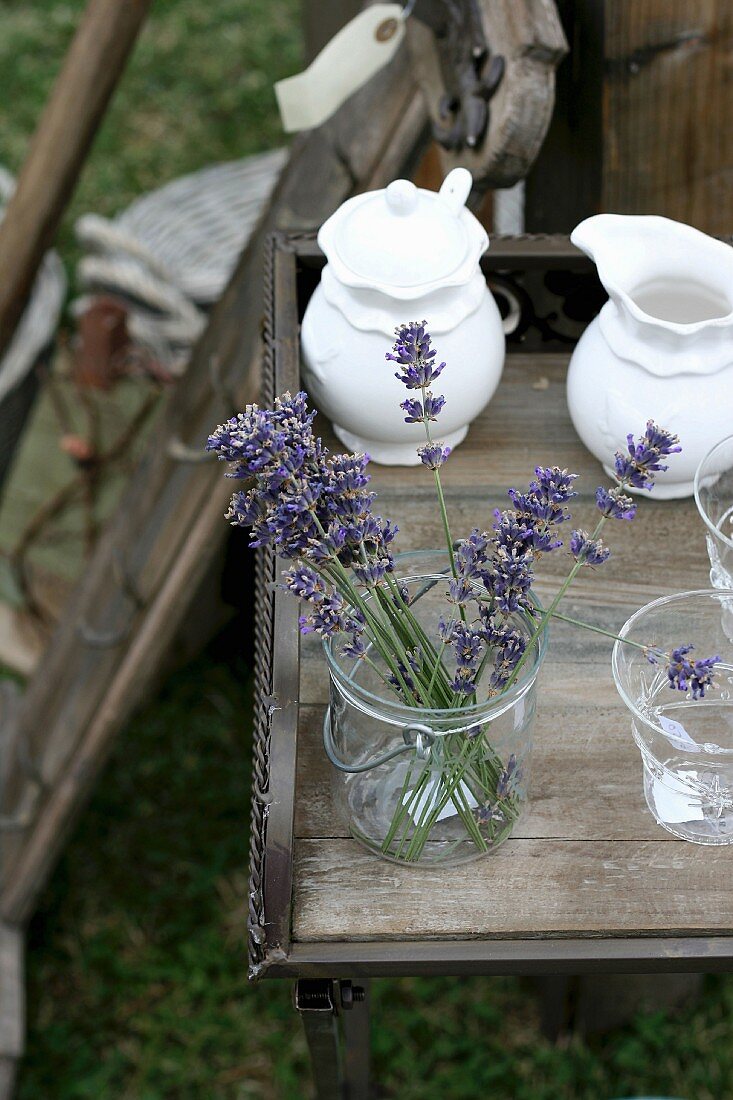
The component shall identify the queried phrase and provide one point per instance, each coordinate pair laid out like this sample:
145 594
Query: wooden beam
90 73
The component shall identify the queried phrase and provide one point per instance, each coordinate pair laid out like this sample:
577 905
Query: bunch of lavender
316 511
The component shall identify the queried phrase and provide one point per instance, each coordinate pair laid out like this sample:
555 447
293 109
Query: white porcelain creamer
398 255
661 347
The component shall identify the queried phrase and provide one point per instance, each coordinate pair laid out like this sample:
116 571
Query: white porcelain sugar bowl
398 255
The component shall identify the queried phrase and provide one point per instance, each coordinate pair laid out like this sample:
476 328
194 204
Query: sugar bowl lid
405 241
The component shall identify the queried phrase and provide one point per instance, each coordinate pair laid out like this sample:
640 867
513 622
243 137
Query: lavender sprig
588 551
684 674
636 468
413 351
642 461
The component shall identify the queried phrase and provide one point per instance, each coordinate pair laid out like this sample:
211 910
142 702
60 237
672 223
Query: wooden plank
586 779
527 888
668 142
93 65
495 955
12 1006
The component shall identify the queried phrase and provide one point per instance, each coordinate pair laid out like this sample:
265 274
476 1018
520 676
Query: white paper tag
677 734
676 801
433 794
358 51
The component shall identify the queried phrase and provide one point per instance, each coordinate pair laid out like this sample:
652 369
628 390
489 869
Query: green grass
197 90
137 954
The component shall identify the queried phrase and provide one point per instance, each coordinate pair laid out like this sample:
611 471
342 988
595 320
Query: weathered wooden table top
587 859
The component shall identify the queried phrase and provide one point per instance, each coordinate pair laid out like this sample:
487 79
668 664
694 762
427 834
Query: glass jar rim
643 716
400 711
697 486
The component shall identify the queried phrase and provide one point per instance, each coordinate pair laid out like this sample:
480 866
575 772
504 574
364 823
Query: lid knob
401 196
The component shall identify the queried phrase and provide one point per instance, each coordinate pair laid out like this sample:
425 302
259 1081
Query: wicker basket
170 254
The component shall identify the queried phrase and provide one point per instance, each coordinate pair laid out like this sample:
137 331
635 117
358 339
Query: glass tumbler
418 785
686 744
714 499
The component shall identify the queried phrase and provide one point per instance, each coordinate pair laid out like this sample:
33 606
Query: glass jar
714 499
429 786
686 744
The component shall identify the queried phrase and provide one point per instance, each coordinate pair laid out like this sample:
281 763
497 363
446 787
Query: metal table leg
339 1054
356 1039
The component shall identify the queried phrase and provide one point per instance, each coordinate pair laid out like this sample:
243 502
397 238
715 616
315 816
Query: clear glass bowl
428 786
686 744
714 499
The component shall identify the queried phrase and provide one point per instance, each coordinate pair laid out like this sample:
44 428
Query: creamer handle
456 188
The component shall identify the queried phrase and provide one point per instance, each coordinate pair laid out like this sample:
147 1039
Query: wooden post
59 147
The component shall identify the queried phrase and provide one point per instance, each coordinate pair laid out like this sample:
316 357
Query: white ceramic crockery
398 255
661 347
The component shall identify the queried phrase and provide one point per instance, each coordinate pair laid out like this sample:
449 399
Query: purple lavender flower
509 778
445 629
546 497
469 557
520 533
371 572
328 617
487 813
414 354
413 407
355 648
308 506
432 405
641 463
408 673
556 487
274 443
419 411
509 651
464 681
326 547
433 455
614 504
684 674
510 580
588 551
304 583
467 643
